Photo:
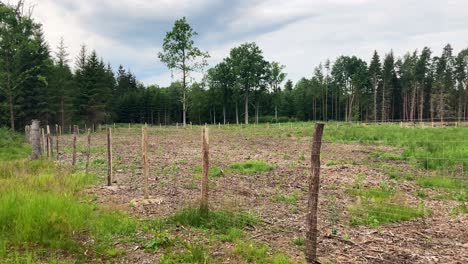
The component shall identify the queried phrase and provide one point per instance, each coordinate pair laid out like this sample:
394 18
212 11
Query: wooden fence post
144 148
49 143
109 157
205 171
74 146
35 139
57 134
314 184
88 151
43 141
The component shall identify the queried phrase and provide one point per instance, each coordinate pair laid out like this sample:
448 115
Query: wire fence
388 192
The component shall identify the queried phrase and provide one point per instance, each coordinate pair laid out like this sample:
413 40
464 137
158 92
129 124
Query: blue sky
297 33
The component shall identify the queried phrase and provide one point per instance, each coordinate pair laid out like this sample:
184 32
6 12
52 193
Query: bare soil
441 237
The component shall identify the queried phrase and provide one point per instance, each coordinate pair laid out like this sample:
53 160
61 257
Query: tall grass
42 208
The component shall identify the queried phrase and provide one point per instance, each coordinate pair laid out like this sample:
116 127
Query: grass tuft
251 166
376 214
220 221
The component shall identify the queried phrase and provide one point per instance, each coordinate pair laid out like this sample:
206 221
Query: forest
36 82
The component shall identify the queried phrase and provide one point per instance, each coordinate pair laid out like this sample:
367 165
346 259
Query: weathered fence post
43 141
49 143
144 148
314 184
88 151
74 146
205 171
109 157
27 133
57 128
35 139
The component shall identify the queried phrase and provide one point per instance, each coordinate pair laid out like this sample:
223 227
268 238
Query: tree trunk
237 114
246 115
256 113
12 111
314 186
276 112
184 106
62 112
375 100
384 117
421 105
224 114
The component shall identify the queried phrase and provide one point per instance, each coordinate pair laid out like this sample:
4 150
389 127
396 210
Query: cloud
298 33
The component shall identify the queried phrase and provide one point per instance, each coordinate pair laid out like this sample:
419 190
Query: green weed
251 166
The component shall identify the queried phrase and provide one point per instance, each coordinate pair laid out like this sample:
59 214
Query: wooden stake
43 141
205 171
35 140
109 157
88 151
145 159
74 147
49 143
57 141
314 185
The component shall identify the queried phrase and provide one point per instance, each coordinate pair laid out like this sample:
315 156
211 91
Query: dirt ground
441 237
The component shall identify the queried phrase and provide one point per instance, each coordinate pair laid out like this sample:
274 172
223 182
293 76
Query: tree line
244 87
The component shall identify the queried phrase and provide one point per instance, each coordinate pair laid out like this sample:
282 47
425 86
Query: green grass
386 156
214 172
384 192
192 253
253 252
43 210
376 214
300 241
12 146
251 166
290 199
428 148
47 210
396 173
441 182
219 221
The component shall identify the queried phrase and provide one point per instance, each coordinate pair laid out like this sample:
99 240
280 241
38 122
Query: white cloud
297 33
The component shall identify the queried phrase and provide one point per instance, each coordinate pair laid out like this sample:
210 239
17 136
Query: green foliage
386 156
215 172
219 221
161 239
43 207
377 194
441 182
290 199
376 214
252 252
12 146
251 166
299 241
193 253
232 235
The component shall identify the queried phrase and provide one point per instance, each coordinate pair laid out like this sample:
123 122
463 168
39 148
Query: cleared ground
374 207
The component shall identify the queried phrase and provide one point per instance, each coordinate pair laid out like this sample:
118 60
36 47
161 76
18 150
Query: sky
297 33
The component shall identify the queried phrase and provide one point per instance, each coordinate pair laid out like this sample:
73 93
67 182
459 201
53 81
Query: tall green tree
249 68
180 53
375 74
275 76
